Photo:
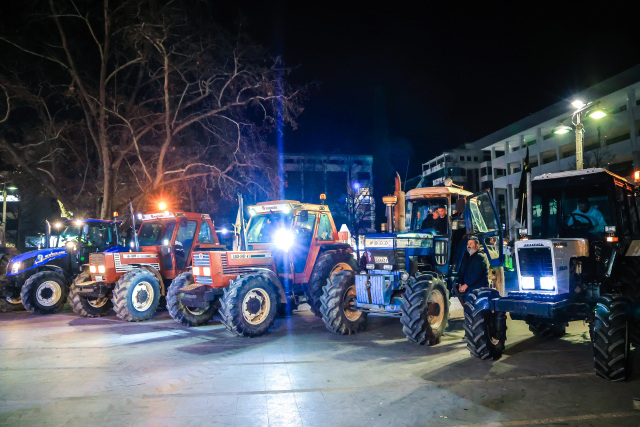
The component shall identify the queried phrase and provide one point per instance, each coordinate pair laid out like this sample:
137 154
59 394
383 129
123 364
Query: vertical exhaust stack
133 225
399 210
242 238
390 201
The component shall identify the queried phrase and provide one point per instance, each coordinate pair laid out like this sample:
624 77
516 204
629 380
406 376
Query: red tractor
291 250
133 282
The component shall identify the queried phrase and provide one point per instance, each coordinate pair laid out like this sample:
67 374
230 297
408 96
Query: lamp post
581 107
3 227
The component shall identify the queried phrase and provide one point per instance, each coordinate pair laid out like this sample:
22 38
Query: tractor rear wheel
136 295
425 310
249 305
611 351
327 265
44 292
339 313
628 273
484 329
84 306
543 329
185 315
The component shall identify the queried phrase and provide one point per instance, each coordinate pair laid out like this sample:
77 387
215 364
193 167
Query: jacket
474 271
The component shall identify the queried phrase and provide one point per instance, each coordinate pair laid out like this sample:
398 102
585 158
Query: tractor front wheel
136 295
484 329
425 310
327 265
249 305
84 306
185 315
44 292
338 309
611 351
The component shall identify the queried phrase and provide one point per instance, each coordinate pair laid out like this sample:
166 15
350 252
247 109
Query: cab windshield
262 228
422 214
571 212
156 233
93 234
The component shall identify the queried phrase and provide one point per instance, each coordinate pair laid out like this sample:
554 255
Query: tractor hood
34 259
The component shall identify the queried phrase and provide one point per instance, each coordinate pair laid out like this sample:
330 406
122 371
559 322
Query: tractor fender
332 246
156 273
484 303
282 297
48 267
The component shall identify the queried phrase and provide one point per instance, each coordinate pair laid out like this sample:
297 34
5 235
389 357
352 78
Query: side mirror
304 216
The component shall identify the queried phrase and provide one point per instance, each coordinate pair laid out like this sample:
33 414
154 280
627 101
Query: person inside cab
441 224
585 209
430 220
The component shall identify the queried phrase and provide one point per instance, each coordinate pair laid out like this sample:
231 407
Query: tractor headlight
101 269
528 282
15 268
196 271
548 283
284 239
93 269
206 271
404 276
388 267
71 245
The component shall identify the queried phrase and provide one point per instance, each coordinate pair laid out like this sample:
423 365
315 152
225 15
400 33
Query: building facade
461 165
346 180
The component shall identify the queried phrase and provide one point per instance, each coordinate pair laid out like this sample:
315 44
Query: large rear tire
84 306
543 329
136 295
249 305
327 265
187 316
45 292
611 351
338 305
425 310
628 273
484 330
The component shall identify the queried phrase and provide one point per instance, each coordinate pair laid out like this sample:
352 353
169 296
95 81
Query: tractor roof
286 206
427 192
168 215
575 173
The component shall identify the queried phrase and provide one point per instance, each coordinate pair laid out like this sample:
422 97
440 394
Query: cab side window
205 235
325 230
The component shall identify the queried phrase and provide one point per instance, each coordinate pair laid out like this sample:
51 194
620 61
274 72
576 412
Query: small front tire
187 316
44 292
136 295
611 350
484 330
87 307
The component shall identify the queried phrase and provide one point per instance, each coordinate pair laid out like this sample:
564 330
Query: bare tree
156 101
357 205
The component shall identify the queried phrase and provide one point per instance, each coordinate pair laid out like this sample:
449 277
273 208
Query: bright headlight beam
527 282
284 239
547 283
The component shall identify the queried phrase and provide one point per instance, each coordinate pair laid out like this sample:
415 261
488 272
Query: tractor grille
201 259
96 259
535 262
377 286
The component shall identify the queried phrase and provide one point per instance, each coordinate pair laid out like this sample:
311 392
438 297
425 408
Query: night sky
446 74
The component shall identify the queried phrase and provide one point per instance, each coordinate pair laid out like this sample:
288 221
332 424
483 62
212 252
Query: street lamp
595 113
3 227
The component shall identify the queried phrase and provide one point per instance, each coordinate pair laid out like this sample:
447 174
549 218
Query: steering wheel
580 225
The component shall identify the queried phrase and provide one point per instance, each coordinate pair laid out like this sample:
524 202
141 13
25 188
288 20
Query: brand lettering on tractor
528 245
240 256
41 257
562 268
137 256
381 259
383 243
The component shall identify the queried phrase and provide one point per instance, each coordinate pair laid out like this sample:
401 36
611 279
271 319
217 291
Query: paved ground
65 370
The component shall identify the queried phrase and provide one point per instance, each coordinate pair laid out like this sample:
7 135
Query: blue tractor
408 272
39 280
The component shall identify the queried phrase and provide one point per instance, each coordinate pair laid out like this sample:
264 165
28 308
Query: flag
522 189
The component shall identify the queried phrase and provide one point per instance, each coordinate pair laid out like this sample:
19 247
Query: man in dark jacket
474 271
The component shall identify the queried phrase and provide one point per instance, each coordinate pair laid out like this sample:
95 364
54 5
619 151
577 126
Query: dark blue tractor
39 280
409 273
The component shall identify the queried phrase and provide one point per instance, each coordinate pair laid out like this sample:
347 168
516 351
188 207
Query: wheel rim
349 304
48 293
256 306
195 311
142 296
98 302
16 300
435 309
341 266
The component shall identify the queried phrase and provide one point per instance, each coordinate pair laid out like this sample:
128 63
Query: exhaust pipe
390 201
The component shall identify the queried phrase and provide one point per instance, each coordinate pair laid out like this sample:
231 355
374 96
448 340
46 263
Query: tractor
408 272
579 260
40 279
285 257
133 282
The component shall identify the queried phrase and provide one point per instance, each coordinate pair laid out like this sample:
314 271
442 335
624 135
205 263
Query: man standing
474 271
